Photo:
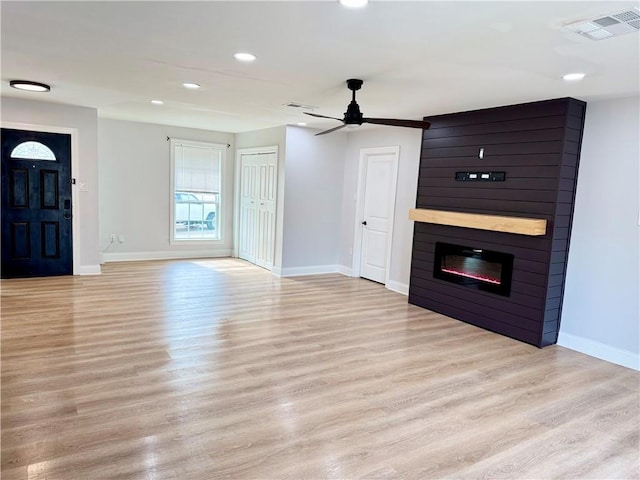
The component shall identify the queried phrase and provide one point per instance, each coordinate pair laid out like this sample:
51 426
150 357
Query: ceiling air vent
612 25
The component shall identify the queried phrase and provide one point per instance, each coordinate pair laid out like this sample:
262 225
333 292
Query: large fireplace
494 207
474 267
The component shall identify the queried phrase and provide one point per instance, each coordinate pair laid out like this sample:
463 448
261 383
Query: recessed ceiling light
572 77
244 57
353 3
30 86
302 124
192 86
157 102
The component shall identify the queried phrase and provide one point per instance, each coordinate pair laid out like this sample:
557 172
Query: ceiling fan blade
331 129
394 122
322 116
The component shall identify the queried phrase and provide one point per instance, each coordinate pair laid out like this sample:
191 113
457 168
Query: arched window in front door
32 151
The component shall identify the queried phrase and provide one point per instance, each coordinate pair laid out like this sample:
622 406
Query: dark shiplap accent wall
538 146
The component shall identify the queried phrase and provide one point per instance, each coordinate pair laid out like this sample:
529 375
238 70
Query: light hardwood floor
216 369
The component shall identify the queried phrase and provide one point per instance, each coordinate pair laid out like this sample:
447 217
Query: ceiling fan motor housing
354 84
353 115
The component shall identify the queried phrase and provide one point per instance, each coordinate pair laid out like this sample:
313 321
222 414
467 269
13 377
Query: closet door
258 186
266 210
248 208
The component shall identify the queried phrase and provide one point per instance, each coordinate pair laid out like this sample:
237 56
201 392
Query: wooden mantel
523 226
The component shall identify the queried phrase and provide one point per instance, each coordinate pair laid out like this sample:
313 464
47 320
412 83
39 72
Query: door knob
364 222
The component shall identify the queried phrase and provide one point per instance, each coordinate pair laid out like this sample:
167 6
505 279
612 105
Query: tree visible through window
196 173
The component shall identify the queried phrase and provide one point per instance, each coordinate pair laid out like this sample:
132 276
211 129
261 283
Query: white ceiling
416 58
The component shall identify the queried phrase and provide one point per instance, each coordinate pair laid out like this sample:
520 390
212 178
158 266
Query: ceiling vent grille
612 25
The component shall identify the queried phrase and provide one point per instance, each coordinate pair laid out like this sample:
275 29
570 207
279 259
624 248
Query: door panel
19 188
20 240
257 208
380 174
249 179
49 189
36 204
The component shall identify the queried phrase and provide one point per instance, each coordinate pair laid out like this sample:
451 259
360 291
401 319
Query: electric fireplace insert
474 267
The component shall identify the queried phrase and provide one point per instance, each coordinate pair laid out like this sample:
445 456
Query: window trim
222 208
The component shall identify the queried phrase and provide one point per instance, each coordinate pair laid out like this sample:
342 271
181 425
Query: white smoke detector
612 25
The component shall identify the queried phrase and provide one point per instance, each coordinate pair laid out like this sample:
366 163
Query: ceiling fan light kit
353 116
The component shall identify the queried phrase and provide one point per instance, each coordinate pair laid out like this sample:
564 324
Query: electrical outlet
113 237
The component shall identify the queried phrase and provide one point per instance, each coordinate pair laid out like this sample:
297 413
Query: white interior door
379 170
258 182
248 208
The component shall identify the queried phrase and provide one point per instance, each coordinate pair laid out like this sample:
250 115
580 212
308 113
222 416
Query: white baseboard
310 270
348 271
137 256
398 287
600 350
89 270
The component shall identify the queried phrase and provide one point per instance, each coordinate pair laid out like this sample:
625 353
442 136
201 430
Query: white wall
314 172
134 168
266 138
600 315
263 138
85 120
409 140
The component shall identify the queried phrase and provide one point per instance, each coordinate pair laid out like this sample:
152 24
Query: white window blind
197 169
196 172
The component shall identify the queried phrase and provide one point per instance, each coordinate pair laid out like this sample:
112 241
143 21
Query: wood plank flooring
215 369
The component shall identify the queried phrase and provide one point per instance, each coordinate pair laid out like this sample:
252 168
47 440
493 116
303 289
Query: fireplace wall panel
487 191
537 145
481 205
499 138
471 300
505 324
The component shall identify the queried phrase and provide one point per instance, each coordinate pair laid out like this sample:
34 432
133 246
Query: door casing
75 174
358 227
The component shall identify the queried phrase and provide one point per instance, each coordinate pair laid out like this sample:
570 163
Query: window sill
185 242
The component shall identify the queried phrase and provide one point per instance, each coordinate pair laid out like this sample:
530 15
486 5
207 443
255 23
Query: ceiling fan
353 116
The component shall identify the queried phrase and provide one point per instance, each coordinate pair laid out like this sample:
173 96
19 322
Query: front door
36 204
380 173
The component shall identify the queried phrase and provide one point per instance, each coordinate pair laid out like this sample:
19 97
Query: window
32 151
196 172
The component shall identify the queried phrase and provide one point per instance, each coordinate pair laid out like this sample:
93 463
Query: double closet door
258 186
